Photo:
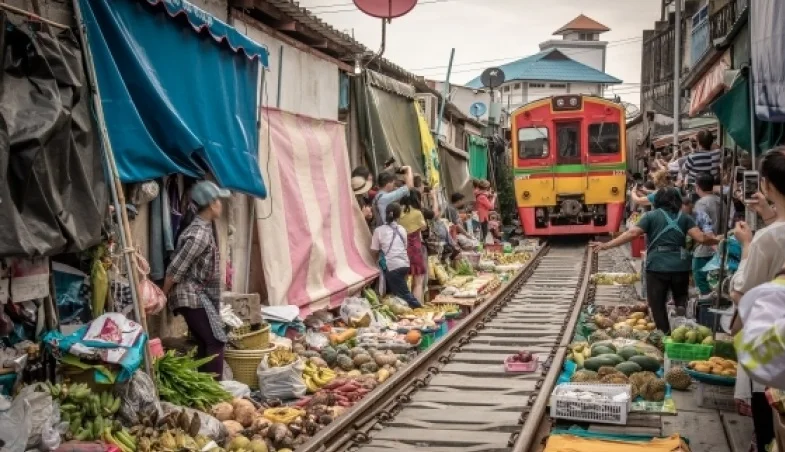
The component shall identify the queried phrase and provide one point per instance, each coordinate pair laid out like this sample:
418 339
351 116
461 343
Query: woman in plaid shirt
193 283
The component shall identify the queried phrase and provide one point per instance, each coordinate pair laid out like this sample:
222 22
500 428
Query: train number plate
523 177
619 173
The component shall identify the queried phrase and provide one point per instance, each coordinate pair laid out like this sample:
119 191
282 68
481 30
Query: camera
391 163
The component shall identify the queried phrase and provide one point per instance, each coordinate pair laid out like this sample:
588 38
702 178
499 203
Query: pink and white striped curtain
314 241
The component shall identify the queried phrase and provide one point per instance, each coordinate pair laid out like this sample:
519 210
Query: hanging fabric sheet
767 48
173 101
388 122
478 157
429 152
314 241
53 191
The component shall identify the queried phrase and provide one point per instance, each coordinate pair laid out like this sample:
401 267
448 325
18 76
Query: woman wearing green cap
193 283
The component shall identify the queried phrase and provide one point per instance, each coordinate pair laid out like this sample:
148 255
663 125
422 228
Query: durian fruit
583 376
604 371
678 378
654 390
617 378
641 378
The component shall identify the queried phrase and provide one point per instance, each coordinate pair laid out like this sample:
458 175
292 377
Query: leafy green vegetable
464 268
179 381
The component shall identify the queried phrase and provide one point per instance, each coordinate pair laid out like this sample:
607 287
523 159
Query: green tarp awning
733 111
478 157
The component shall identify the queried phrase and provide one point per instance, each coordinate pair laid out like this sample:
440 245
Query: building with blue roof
574 63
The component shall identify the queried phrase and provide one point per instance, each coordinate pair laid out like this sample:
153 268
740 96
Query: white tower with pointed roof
580 40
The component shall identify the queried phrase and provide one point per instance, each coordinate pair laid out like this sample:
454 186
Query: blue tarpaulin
178 89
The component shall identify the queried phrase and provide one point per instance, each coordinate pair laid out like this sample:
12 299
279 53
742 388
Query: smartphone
740 174
751 185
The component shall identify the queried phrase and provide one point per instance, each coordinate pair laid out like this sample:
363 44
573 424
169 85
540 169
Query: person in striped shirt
704 159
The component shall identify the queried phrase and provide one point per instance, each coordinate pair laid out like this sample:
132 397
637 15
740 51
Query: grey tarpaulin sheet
767 48
53 192
455 170
388 121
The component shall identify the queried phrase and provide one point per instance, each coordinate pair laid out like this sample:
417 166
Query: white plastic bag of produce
209 426
357 312
16 422
138 397
283 383
235 388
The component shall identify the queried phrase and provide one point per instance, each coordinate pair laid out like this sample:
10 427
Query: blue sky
492 32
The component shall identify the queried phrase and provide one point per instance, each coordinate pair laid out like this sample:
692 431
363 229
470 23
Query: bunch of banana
579 352
281 357
87 414
120 438
315 377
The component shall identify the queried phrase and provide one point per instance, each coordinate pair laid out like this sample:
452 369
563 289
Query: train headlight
560 103
573 102
539 212
615 190
526 195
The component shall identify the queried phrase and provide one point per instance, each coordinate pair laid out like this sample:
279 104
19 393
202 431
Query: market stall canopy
53 191
455 167
388 121
710 86
733 111
175 102
314 240
767 48
478 157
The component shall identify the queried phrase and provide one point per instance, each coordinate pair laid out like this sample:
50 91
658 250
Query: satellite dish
478 109
385 9
492 77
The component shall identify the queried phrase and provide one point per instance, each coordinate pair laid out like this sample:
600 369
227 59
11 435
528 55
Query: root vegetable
234 428
223 412
244 413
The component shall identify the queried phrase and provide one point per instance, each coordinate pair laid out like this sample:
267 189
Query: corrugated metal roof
582 23
550 65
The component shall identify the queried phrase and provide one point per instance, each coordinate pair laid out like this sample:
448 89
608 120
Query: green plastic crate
687 352
427 340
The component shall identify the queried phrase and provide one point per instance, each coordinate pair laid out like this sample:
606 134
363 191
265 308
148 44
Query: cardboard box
247 307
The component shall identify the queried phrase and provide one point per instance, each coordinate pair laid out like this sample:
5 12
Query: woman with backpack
668 263
390 245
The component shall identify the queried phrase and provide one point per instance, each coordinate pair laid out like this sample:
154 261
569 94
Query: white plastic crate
715 397
605 411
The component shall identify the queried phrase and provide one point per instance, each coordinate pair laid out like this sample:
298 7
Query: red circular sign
385 9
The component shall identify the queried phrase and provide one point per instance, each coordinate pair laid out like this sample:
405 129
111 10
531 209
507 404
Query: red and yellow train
569 165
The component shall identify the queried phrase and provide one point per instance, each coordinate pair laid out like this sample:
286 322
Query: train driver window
604 138
568 141
533 143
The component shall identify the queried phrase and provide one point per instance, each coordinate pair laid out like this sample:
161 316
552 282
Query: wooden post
116 187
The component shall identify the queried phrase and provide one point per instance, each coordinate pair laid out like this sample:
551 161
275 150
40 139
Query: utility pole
677 76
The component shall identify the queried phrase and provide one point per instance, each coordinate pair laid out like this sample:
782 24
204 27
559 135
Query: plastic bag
210 426
15 425
281 382
235 388
316 341
99 282
43 417
138 397
354 311
150 294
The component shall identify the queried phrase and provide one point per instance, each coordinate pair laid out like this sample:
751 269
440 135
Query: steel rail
373 407
538 410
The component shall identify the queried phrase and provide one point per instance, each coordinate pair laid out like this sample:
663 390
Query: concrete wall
309 84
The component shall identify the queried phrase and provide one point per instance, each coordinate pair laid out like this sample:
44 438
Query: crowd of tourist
411 222
681 203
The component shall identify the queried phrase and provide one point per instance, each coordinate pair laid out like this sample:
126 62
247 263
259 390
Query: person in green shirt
668 263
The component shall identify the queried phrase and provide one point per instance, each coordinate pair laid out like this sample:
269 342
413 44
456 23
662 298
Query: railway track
456 395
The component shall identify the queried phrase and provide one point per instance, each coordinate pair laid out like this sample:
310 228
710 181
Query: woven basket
244 364
244 339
